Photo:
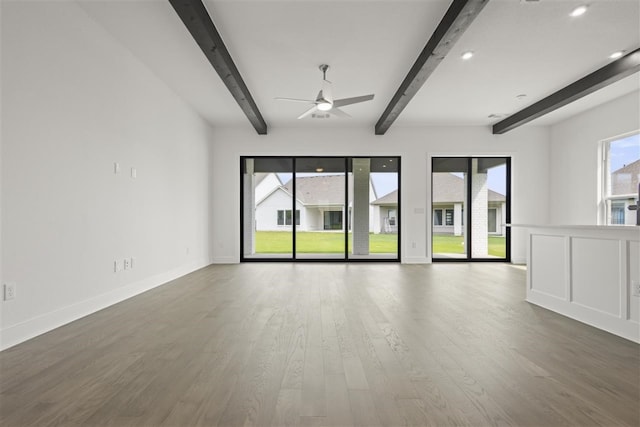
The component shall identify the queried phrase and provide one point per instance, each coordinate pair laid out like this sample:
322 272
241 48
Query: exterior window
621 172
333 220
392 217
284 217
617 212
448 216
437 217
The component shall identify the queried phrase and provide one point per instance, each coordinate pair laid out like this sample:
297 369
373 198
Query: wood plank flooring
325 345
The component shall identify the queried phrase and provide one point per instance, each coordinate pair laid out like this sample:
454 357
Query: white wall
528 147
73 103
267 212
573 157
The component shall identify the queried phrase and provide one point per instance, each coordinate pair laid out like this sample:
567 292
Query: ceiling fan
324 102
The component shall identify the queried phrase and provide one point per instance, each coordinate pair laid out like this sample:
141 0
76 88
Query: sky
624 151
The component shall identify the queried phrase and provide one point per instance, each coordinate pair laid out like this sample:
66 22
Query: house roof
387 199
447 188
625 179
329 190
320 190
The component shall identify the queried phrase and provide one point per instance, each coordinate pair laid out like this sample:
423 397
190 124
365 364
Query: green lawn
447 244
279 242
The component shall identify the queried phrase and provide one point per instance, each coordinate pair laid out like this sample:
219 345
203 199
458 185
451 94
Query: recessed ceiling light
616 55
580 10
467 55
319 169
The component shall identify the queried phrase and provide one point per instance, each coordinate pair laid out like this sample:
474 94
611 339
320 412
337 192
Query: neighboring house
319 205
265 183
448 212
624 181
448 194
385 213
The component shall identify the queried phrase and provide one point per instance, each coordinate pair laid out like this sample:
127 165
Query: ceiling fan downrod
324 68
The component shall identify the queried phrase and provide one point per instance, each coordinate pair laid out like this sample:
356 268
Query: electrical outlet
127 263
9 291
635 288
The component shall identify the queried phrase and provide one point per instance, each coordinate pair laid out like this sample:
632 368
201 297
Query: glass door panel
470 208
449 184
267 219
320 196
373 207
489 207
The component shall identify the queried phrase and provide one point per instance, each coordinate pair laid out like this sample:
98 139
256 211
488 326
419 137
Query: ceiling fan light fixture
578 11
324 106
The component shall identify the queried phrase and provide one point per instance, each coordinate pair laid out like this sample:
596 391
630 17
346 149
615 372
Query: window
448 216
621 170
392 217
320 208
437 217
333 220
284 217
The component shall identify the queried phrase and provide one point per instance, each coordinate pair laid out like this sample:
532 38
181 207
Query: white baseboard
33 327
415 260
225 260
622 327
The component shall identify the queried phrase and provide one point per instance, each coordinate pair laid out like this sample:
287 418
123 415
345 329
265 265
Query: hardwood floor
325 345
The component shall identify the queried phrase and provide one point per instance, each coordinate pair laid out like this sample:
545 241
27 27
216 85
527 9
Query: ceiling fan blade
348 101
309 111
338 112
308 101
326 90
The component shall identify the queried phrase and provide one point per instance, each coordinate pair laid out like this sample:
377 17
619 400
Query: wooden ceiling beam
195 17
610 73
455 22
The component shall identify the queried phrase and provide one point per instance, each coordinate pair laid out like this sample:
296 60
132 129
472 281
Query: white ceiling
532 48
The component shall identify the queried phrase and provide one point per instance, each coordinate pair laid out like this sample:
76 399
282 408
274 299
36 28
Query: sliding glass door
320 208
470 202
374 207
320 187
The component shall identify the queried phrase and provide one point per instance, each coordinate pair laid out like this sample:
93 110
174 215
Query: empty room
319 213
